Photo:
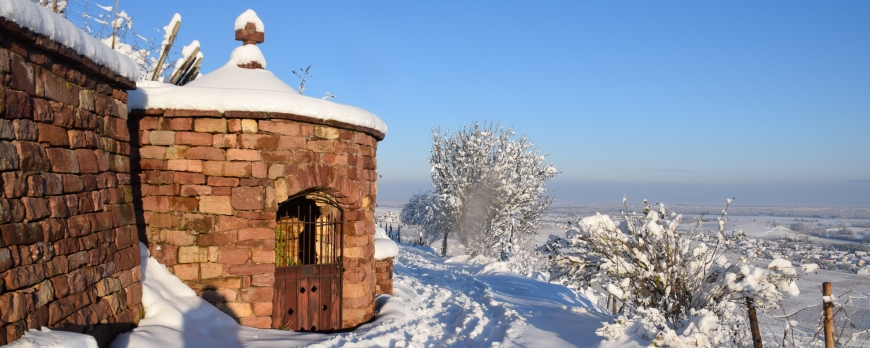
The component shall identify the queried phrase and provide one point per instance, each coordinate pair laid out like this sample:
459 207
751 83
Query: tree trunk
444 245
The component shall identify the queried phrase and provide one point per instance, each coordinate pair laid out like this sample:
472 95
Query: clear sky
676 101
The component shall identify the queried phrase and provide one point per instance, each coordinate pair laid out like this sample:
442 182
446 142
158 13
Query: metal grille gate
308 250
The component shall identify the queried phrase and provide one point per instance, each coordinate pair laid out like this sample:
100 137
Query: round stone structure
228 165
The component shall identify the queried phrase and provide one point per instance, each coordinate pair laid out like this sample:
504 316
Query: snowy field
459 302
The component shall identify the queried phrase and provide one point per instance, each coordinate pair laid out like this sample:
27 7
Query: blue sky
676 101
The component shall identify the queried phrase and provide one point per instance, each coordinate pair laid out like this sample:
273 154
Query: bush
663 287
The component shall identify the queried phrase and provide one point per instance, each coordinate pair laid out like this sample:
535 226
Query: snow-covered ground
454 302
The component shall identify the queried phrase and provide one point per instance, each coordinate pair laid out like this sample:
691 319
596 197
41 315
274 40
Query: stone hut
257 197
69 253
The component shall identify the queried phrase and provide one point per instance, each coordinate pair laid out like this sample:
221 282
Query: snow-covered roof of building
233 88
41 20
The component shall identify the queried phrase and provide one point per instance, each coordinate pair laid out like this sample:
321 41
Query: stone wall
210 187
384 276
69 255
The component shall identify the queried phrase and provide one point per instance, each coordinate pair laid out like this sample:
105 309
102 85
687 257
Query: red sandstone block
263 279
31 156
237 169
188 178
257 234
87 161
215 205
177 238
234 125
320 146
334 159
247 198
263 256
152 164
304 157
195 190
185 165
222 181
181 124
251 269
36 208
221 191
158 204
213 168
62 161
23 276
291 143
206 153
155 152
243 155
252 215
258 169
148 123
183 204
280 127
193 138
259 141
161 137
224 141
234 256
217 239
256 294
263 309
210 125
53 135
186 271
264 322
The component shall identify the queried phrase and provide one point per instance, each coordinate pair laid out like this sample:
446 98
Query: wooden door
308 298
308 267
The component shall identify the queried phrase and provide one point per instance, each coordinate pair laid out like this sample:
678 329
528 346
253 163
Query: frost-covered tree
662 285
422 212
488 190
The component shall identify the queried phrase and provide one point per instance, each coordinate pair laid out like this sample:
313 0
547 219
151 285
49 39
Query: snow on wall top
41 20
249 16
231 88
246 54
384 246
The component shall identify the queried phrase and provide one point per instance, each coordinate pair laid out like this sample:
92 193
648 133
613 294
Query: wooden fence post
753 323
828 302
165 52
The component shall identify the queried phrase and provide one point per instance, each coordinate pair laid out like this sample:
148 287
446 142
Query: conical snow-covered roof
243 84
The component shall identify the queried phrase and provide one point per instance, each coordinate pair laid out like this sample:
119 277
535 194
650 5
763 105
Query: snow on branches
488 190
661 284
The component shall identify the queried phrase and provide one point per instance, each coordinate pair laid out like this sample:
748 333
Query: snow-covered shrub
488 191
663 286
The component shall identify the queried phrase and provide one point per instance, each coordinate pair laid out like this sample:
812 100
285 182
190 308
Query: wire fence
141 41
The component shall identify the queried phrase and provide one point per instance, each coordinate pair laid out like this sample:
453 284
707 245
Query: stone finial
250 35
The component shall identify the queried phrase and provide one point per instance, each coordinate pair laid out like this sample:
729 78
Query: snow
45 338
230 88
457 302
246 54
167 30
461 303
249 16
384 246
41 20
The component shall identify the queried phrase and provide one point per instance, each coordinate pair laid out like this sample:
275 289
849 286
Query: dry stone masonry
211 184
213 179
69 255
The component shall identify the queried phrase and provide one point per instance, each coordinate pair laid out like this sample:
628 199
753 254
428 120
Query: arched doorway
308 251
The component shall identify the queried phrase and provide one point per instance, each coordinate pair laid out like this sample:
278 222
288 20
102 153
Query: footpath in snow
437 302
